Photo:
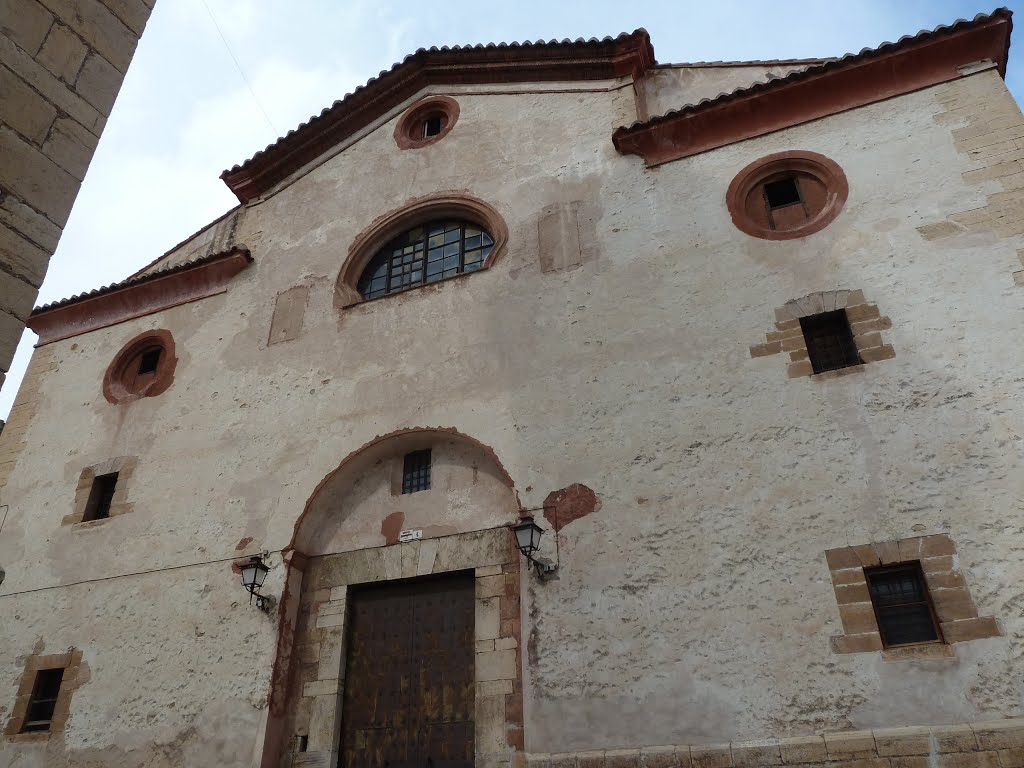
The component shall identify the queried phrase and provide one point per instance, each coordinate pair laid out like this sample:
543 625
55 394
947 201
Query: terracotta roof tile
528 61
825 66
139 279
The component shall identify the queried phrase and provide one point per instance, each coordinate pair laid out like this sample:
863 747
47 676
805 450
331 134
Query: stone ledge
994 744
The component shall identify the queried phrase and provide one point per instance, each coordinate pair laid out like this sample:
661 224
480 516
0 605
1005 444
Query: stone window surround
76 674
408 131
866 323
954 607
801 162
413 213
499 697
115 387
125 468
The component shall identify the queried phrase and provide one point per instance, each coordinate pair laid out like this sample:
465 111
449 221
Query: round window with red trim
143 368
787 195
426 122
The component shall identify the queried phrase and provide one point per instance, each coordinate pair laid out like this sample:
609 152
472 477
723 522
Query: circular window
426 121
787 195
143 368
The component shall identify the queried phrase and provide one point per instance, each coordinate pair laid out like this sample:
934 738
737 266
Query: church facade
740 340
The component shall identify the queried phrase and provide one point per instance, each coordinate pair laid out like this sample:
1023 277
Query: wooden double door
409 680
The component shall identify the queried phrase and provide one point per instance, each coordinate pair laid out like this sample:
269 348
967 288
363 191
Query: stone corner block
664 757
954 738
748 754
593 759
321 687
711 756
562 760
803 749
850 744
1000 734
622 758
913 740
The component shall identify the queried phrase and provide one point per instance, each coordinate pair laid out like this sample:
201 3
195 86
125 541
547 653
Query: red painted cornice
138 296
893 69
580 60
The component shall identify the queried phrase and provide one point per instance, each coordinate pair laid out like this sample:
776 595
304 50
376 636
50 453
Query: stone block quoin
866 323
988 128
61 67
956 612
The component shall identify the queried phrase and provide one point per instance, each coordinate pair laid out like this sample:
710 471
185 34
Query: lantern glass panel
261 574
248 575
528 535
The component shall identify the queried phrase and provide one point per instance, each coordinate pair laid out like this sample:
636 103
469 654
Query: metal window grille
416 472
425 254
902 605
100 497
43 701
829 340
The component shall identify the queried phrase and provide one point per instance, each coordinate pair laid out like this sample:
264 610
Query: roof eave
139 296
626 56
827 89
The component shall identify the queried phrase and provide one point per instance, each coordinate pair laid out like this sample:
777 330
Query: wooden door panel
409 681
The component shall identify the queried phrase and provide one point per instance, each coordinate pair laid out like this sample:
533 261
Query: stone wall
61 66
995 744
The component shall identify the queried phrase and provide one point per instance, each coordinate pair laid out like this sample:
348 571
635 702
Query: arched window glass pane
425 254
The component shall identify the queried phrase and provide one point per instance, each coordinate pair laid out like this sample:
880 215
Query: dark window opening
100 497
902 605
149 360
43 701
783 192
432 126
416 472
829 340
425 254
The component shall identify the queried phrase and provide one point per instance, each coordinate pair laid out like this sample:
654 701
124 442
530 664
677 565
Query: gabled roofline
923 60
138 296
628 55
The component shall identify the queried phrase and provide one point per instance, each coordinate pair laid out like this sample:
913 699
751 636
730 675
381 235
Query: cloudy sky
185 113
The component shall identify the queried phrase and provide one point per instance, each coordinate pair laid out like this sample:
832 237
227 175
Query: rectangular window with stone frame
43 699
904 596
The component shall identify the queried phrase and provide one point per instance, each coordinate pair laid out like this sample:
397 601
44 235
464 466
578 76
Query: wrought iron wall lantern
254 572
528 535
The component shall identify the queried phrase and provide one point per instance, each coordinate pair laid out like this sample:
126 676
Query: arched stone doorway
361 540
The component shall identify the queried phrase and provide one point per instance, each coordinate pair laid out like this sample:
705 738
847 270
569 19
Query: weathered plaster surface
694 604
671 87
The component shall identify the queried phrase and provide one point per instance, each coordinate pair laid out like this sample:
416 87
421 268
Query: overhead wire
240 70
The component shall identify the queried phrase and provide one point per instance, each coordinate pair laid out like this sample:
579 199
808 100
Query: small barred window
416 472
829 341
902 605
425 254
43 701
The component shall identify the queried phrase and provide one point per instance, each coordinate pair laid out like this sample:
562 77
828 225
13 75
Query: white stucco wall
670 87
695 605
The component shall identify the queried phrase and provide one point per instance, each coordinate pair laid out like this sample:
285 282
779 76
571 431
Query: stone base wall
995 744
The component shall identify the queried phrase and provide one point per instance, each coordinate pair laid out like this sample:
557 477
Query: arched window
425 254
